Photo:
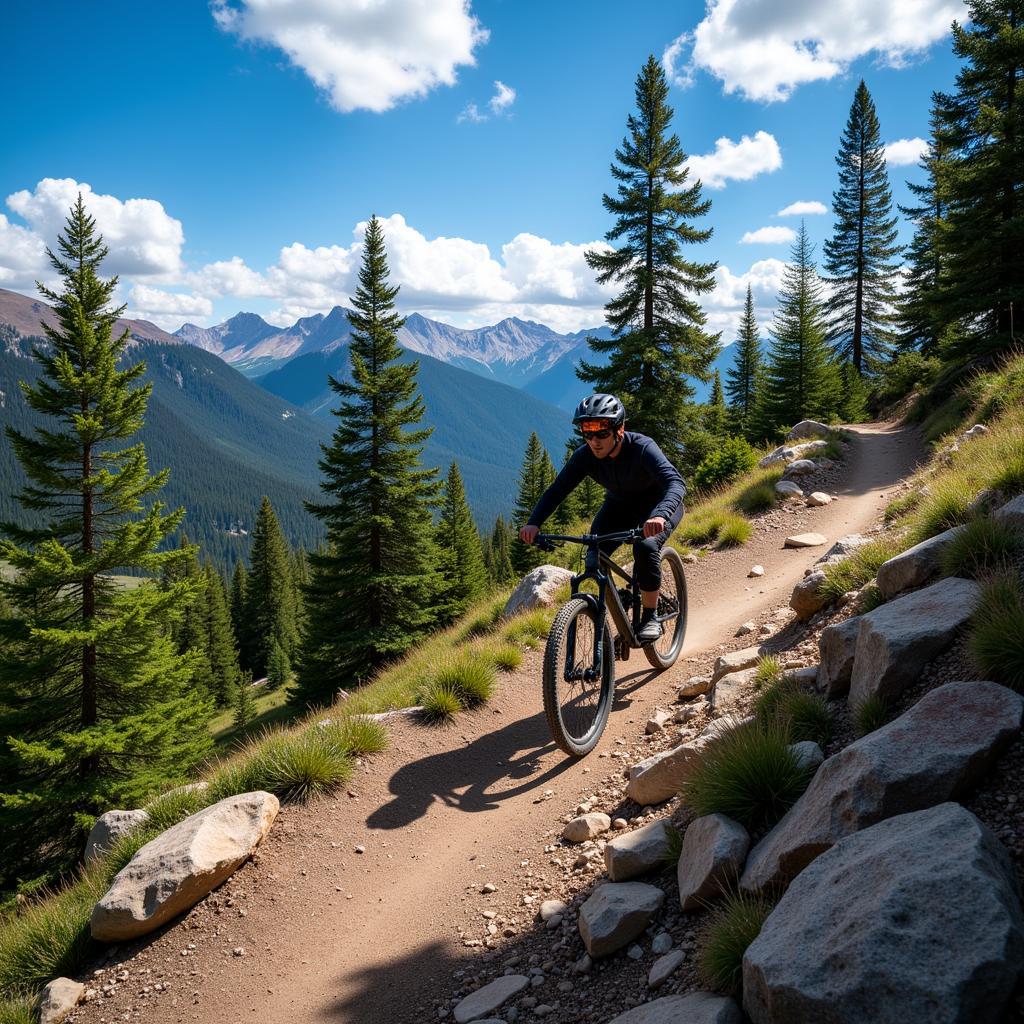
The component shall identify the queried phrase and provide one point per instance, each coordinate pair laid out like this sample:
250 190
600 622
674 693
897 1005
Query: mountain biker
640 484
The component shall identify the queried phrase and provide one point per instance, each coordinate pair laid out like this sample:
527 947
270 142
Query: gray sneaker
650 628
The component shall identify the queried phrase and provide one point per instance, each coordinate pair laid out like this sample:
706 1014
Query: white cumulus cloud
166 309
802 208
905 151
737 161
764 49
22 257
143 239
362 54
503 98
768 236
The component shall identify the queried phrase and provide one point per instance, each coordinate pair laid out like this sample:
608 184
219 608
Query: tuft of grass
946 505
724 939
756 498
870 714
507 658
809 718
870 599
749 774
858 568
675 847
734 531
175 805
440 703
18 1010
483 621
769 670
996 635
471 676
983 546
357 735
902 506
527 629
298 767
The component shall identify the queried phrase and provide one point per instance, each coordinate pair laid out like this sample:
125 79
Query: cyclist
640 484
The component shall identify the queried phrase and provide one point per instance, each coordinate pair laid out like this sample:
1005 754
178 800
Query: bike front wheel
671 611
578 692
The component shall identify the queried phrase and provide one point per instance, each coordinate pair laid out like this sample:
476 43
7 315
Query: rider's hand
528 534
654 526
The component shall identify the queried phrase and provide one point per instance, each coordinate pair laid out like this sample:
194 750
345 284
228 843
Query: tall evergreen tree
800 377
221 651
500 547
568 511
535 476
270 604
716 415
660 340
95 704
244 701
981 132
371 590
461 567
859 255
743 379
238 607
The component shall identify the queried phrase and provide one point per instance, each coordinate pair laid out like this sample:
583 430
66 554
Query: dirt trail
330 934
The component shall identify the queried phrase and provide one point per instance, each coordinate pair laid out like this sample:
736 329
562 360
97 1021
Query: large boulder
109 828
693 1008
173 872
898 639
802 467
537 589
1012 512
807 597
836 646
714 849
788 489
934 752
736 661
636 853
784 453
915 919
659 777
807 428
486 1000
616 913
915 566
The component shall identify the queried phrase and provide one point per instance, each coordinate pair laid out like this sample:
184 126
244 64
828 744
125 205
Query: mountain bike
579 659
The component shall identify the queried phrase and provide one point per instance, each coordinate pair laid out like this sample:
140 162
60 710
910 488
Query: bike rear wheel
577 693
671 611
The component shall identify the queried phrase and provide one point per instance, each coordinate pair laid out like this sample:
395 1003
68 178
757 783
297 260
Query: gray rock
976 431
836 647
537 589
805 540
817 499
783 453
487 999
843 548
635 853
915 919
898 639
551 908
1012 512
664 967
915 566
172 872
807 597
756 571
109 828
730 688
693 1008
714 849
808 754
746 627
694 687
807 428
58 999
735 661
658 778
933 752
616 913
586 826
788 489
662 943
657 722
800 468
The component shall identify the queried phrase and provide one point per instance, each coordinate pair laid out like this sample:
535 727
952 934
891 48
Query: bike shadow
473 778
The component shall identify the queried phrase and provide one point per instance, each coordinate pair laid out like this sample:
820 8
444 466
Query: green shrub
527 628
996 635
471 676
907 371
902 506
18 1010
357 735
802 715
870 714
726 461
507 658
982 546
724 939
734 531
858 568
749 774
769 670
756 498
296 768
440 703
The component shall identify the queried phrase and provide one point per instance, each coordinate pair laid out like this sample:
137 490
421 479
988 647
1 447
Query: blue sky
233 149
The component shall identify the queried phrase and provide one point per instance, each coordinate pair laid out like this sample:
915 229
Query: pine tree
245 702
300 581
220 641
535 476
501 548
863 244
461 567
660 338
270 605
239 621
94 701
279 667
743 379
716 415
980 132
189 632
371 590
568 512
800 378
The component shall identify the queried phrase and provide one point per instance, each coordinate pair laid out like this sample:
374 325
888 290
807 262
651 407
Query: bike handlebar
547 541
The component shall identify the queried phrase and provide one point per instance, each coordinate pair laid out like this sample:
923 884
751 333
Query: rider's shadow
470 777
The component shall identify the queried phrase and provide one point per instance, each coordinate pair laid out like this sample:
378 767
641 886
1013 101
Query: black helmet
600 407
